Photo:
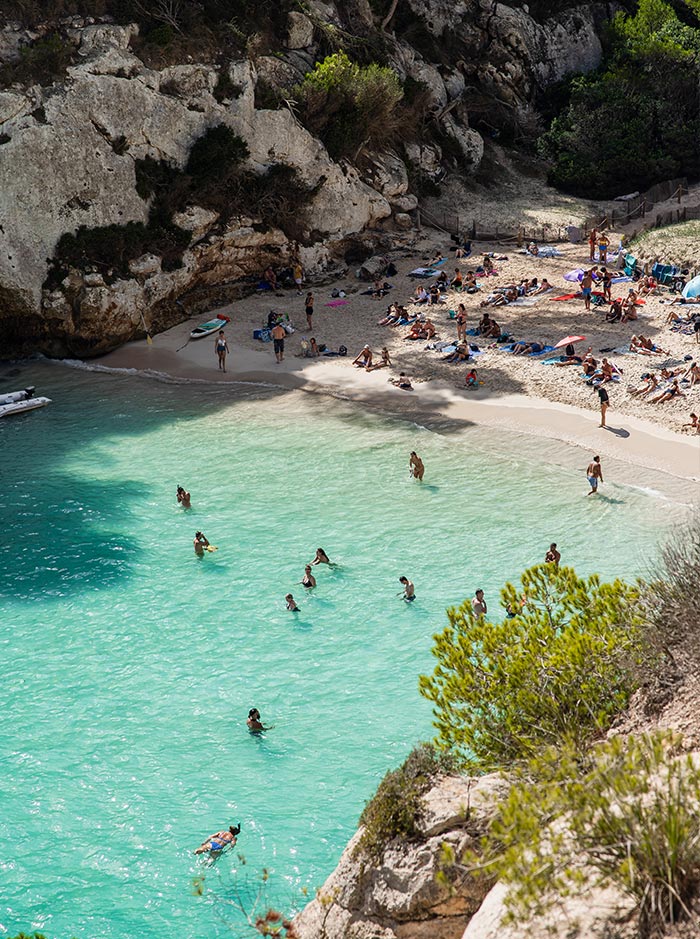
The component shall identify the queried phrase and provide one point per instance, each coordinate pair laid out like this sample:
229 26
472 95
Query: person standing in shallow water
552 556
184 498
594 474
409 591
479 604
221 347
415 466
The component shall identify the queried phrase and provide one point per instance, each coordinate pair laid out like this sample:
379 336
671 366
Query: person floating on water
409 591
255 724
321 557
415 466
183 497
291 604
200 543
218 841
594 474
308 580
552 556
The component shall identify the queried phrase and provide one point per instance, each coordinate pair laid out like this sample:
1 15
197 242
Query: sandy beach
518 392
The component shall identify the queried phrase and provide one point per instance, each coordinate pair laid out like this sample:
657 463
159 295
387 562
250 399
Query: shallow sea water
129 665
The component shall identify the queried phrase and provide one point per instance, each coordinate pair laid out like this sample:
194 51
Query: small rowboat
16 402
213 326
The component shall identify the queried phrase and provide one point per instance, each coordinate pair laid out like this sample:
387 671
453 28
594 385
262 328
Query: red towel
566 296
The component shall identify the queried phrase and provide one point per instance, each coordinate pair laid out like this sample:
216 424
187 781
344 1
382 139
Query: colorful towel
337 303
566 296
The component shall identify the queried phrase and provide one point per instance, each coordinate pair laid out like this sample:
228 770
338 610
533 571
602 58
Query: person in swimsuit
321 557
308 580
255 725
592 241
291 604
183 497
218 841
200 543
309 304
479 604
364 359
594 473
604 404
673 391
552 556
470 379
221 347
415 466
587 287
409 591
278 335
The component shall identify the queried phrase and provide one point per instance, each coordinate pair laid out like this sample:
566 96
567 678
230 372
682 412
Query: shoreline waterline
628 438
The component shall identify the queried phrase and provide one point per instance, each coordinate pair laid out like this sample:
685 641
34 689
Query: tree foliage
625 814
635 121
560 668
348 105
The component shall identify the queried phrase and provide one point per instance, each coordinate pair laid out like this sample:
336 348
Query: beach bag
342 350
391 270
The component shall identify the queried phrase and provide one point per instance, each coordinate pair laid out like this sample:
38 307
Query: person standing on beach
309 305
479 604
587 287
278 335
592 241
604 404
415 466
594 474
221 347
461 322
552 556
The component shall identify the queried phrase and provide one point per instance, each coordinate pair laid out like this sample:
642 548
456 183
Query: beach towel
544 351
524 301
566 296
472 332
547 251
423 272
621 280
336 303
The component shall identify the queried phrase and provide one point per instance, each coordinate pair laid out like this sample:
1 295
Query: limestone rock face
401 898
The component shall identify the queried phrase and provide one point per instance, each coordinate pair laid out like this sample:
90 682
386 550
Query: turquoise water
129 665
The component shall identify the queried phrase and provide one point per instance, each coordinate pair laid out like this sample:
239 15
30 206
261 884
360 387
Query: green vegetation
561 668
636 121
44 61
350 106
396 807
625 815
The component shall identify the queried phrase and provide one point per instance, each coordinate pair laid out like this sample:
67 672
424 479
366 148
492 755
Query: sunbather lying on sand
392 316
649 383
543 288
461 353
488 327
673 391
527 348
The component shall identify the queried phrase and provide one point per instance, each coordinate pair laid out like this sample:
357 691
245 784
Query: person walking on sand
221 347
278 335
415 466
587 287
552 556
309 310
594 474
604 404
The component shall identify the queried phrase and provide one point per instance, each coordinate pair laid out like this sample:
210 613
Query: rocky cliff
68 152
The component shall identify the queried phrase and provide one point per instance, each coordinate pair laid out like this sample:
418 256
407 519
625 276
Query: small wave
155 375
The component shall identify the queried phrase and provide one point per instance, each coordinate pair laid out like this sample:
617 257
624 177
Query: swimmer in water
200 543
321 557
308 580
415 466
218 841
409 591
552 556
183 497
255 725
291 604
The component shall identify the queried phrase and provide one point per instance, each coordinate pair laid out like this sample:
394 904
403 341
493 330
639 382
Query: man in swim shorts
218 841
587 287
200 543
594 474
409 591
552 556
415 466
291 604
278 335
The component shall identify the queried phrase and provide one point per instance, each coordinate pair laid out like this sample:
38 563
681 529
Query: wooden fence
459 225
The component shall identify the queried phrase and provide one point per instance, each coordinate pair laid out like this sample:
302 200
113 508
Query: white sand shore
628 438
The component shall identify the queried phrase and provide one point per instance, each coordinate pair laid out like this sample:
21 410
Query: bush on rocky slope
558 667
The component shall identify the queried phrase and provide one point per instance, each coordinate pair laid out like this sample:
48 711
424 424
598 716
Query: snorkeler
200 543
217 842
409 591
308 580
183 497
291 604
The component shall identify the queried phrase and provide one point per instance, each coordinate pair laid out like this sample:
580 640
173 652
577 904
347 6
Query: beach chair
630 264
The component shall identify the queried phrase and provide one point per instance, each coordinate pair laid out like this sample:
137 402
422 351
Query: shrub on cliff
635 121
348 105
395 809
560 667
625 814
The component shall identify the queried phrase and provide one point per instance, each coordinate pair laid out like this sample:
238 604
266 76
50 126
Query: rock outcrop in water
68 152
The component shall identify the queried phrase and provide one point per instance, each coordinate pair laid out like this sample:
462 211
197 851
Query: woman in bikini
221 347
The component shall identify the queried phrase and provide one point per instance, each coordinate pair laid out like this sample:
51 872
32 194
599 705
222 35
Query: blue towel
472 332
543 351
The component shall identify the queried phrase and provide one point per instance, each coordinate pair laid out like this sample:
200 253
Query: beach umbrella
576 275
692 288
569 339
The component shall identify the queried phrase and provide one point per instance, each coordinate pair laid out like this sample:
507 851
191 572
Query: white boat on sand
16 402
